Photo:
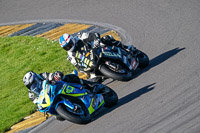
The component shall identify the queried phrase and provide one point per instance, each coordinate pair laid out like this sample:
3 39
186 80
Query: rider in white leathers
86 42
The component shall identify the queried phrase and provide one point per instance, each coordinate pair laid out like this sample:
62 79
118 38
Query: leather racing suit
84 42
52 78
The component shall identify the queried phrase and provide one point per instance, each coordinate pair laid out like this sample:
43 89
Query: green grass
19 55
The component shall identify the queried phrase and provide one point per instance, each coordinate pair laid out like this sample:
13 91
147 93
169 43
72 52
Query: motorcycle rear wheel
65 114
115 75
143 60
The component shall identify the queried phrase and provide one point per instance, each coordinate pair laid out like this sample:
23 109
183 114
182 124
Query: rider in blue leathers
31 81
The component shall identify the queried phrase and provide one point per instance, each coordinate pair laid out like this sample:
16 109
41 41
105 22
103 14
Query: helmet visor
69 45
36 87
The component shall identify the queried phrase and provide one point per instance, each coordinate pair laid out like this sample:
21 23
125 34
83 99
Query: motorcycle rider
33 81
85 42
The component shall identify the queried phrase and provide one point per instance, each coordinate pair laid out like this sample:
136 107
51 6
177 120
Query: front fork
67 103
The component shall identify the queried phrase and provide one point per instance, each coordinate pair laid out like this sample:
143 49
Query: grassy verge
19 55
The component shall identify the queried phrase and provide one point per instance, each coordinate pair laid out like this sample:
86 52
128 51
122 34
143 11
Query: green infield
19 55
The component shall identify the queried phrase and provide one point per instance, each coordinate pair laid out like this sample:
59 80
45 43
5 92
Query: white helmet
33 82
67 42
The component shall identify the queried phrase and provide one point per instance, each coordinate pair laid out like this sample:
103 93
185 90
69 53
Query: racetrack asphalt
162 98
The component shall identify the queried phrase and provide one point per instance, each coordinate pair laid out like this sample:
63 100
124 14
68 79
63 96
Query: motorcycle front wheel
110 96
79 116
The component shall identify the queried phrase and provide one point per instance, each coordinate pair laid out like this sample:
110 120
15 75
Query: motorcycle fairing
93 103
109 52
73 89
44 99
46 102
116 53
67 103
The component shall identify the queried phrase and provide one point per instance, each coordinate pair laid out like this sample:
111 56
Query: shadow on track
158 60
126 99
154 62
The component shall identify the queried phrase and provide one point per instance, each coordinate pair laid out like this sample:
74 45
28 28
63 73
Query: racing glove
82 35
96 43
55 77
58 76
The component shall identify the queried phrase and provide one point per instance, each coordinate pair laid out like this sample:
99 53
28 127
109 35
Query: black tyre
58 117
64 112
143 60
110 96
108 72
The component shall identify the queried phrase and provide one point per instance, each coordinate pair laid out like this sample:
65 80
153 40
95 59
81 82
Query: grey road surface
162 98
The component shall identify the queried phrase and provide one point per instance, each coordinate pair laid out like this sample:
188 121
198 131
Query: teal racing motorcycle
74 102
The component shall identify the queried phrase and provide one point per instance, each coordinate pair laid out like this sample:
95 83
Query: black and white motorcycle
113 62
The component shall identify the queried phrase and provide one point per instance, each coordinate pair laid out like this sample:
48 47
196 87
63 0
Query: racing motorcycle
74 102
112 62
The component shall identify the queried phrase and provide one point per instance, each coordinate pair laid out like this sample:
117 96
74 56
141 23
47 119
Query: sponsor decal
112 54
134 64
68 89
